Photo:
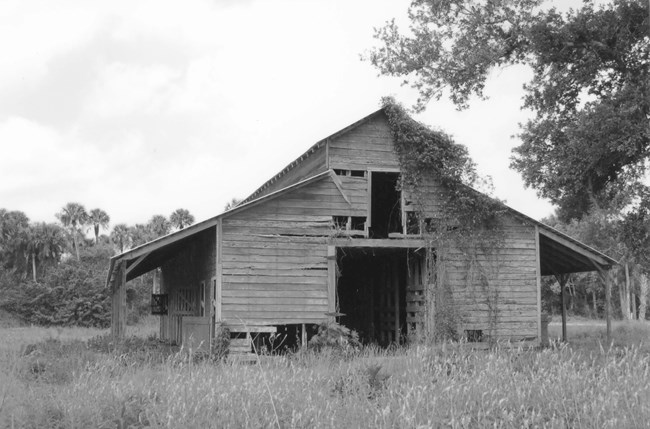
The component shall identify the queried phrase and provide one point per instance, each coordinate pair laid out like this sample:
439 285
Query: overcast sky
143 107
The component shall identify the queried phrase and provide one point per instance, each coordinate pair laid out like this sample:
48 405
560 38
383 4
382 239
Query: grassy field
67 381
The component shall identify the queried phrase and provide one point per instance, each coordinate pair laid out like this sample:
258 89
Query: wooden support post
563 295
538 267
118 310
396 295
331 280
303 338
219 269
562 279
608 308
605 277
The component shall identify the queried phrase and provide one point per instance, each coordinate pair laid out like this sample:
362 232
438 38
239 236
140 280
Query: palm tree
234 202
181 218
73 216
159 226
12 226
98 218
44 242
121 236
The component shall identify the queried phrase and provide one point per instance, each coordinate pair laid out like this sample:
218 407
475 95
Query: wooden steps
241 344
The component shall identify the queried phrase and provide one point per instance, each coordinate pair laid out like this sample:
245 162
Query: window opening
340 222
358 223
386 210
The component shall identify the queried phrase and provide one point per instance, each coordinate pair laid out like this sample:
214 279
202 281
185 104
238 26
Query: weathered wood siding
182 276
313 164
274 256
505 305
368 146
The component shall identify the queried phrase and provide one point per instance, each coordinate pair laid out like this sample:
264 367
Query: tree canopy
589 140
181 218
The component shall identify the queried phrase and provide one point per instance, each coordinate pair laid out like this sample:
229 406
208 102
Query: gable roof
574 256
311 151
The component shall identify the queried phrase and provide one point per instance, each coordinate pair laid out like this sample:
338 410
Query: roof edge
310 151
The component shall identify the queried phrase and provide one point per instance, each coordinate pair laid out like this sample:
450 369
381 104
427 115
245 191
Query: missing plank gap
474 335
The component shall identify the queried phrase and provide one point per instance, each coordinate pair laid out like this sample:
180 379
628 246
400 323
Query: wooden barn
329 236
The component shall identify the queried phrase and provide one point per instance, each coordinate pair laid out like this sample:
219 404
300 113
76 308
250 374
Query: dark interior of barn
372 293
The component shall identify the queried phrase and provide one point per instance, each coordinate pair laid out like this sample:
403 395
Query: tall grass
415 387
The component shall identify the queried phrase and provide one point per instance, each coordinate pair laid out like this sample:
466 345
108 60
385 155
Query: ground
81 383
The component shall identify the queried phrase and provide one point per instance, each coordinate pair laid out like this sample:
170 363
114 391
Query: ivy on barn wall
466 228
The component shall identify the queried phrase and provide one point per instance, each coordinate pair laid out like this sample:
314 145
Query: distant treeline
53 274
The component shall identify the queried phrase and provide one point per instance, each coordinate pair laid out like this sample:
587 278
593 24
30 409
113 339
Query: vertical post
331 280
396 297
538 267
369 209
219 268
118 310
608 302
562 279
563 294
303 338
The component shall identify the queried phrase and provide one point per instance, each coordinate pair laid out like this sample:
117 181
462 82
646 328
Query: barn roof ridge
310 151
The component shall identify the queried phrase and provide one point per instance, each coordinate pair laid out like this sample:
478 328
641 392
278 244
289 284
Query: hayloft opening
385 207
372 293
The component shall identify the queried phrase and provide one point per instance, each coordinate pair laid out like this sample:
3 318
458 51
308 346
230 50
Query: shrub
335 338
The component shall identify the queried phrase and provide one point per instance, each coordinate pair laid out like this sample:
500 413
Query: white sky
142 107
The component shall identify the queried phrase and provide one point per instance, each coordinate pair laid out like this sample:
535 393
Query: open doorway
372 293
386 207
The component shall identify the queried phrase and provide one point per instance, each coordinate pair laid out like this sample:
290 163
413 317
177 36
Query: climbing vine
459 224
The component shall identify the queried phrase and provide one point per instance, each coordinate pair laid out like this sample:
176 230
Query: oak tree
589 140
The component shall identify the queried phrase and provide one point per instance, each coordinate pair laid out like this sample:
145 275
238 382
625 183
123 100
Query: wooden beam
339 186
136 263
386 243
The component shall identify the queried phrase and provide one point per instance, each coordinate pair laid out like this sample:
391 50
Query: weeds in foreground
109 386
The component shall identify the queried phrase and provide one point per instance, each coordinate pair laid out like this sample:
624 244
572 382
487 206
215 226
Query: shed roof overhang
560 254
153 254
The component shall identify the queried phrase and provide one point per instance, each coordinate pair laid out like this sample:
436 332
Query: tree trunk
34 266
76 245
624 296
593 295
96 234
643 295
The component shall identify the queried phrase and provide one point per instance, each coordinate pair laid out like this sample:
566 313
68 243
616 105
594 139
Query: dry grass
416 387
586 334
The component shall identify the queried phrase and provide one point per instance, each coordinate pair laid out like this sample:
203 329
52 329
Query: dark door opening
372 293
386 207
